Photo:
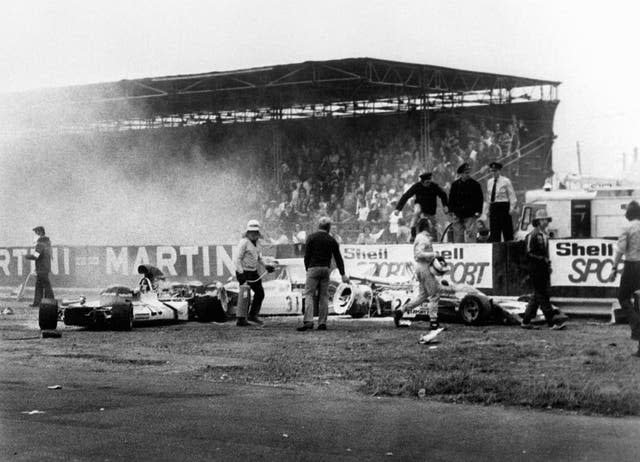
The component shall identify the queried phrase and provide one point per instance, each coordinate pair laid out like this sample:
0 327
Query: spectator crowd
358 179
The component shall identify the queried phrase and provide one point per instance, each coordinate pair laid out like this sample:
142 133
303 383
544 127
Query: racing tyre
209 309
474 310
343 298
48 314
122 316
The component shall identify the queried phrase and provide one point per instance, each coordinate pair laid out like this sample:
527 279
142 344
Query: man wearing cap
465 203
426 193
42 256
537 253
501 202
246 262
319 249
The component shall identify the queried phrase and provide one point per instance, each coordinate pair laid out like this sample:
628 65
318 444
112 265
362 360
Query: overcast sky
590 46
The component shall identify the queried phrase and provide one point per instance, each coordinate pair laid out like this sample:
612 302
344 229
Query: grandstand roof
280 86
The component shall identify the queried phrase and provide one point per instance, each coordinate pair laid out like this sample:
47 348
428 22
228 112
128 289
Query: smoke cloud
155 186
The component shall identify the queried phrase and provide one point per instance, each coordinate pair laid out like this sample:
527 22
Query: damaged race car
206 303
372 295
119 307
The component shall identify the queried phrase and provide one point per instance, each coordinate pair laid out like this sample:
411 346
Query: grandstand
342 137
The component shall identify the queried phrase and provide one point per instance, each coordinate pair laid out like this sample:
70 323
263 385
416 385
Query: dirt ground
586 368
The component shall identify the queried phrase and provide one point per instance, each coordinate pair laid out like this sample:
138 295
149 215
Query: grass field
586 368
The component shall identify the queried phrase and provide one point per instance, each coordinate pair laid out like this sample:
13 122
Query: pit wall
581 267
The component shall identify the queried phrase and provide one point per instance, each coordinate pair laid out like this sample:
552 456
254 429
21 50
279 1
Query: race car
377 296
119 307
282 288
206 303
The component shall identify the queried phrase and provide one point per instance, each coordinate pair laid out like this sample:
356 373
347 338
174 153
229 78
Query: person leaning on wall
628 245
426 193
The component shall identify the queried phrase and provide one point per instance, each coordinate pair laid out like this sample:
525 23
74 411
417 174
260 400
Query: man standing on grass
246 262
537 252
42 256
319 249
629 246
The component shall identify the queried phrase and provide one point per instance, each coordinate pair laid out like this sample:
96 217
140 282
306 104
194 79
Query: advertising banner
100 266
582 262
470 263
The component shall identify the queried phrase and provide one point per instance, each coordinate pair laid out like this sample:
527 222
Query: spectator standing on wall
501 202
42 256
465 204
426 193
537 253
629 246
319 250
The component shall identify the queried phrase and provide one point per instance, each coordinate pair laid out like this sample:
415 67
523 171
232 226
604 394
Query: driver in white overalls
429 287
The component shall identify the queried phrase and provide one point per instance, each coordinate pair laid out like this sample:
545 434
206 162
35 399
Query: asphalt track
154 417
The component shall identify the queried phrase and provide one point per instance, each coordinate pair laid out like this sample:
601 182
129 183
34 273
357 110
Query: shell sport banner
582 262
470 263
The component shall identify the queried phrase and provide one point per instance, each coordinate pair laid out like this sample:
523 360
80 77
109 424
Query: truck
579 213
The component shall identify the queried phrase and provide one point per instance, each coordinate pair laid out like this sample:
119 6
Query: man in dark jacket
465 203
319 249
426 193
537 253
42 256
151 273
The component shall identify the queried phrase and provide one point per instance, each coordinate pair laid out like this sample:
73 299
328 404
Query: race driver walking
429 286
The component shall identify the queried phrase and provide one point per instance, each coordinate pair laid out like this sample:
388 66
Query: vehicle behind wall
578 214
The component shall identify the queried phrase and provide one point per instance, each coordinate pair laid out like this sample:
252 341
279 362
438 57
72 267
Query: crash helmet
439 266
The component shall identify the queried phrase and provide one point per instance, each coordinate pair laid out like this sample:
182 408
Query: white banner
582 262
470 263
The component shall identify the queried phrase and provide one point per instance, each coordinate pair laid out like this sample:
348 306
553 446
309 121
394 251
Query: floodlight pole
424 131
579 158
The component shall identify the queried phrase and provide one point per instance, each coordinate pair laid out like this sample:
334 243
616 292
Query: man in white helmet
246 263
429 286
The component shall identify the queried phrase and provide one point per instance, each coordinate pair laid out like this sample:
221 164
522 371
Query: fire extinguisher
244 300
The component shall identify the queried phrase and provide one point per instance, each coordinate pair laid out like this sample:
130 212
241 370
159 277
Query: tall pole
579 159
